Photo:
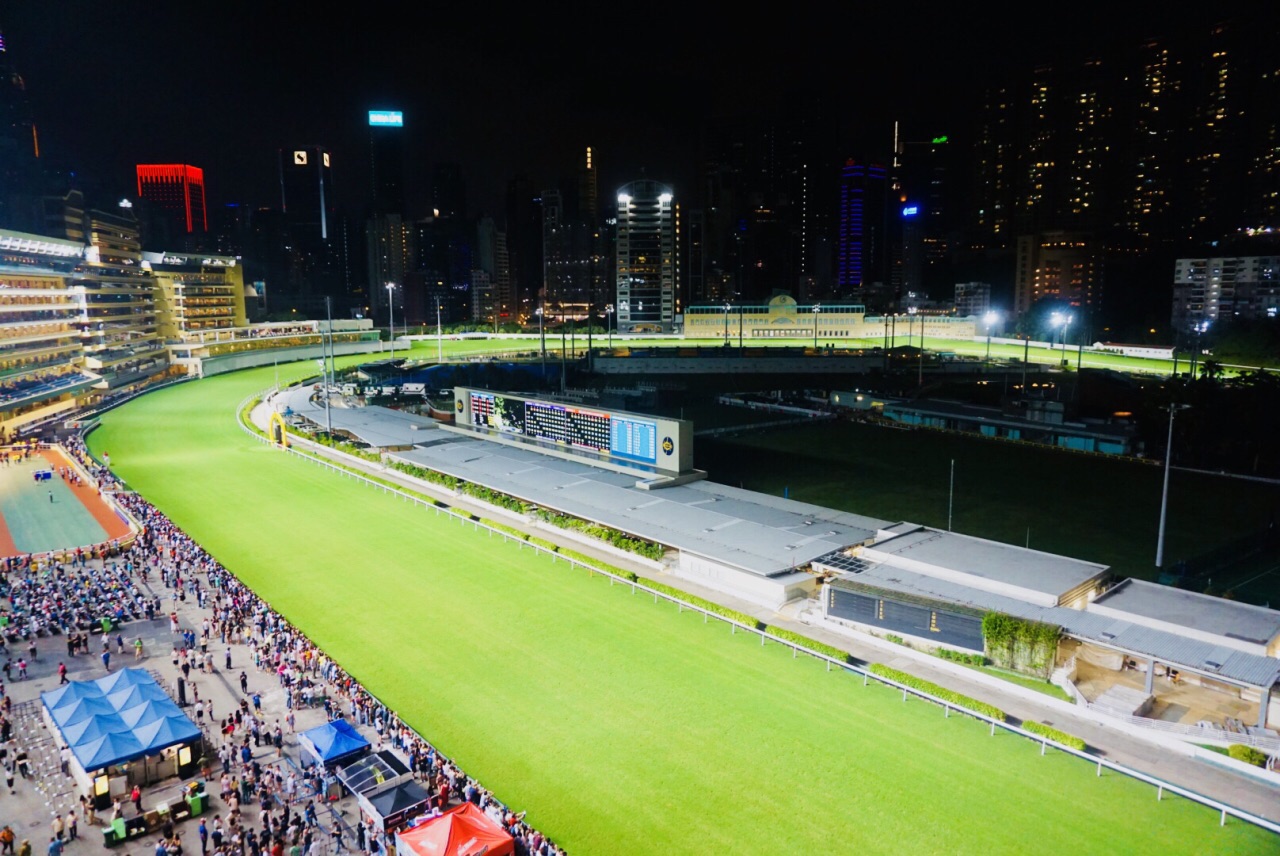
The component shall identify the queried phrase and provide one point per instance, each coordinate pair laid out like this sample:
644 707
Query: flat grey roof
765 535
1033 570
1215 615
377 426
1191 654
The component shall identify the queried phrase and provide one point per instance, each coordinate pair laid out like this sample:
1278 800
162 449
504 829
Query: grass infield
621 725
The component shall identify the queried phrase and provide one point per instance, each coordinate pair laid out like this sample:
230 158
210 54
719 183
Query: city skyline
504 99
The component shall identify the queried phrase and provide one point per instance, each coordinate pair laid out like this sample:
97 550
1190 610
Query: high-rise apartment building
1208 290
1064 267
1171 141
492 299
647 257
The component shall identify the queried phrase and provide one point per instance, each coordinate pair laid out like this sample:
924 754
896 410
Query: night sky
223 85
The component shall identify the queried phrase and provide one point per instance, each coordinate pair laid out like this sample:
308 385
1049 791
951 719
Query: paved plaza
35 802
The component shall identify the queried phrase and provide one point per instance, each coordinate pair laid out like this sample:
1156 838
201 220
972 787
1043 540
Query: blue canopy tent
123 717
335 742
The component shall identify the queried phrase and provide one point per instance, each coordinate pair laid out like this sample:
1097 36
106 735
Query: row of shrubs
961 657
621 540
1247 754
883 671
1054 734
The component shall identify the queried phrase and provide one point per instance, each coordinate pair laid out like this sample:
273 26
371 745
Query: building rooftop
1166 646
1209 614
762 534
1004 564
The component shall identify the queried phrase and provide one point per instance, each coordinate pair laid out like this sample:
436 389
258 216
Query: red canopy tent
461 831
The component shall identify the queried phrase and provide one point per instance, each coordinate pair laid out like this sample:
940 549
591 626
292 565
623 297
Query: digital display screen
595 431
390 118
634 439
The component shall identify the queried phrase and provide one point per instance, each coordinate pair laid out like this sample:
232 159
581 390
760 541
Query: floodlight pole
324 375
1164 495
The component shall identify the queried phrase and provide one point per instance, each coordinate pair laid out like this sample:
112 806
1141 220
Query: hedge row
425 474
812 644
502 527
621 540
1247 754
544 544
1054 734
932 689
961 657
709 606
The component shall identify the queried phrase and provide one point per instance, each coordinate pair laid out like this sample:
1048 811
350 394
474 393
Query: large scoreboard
649 442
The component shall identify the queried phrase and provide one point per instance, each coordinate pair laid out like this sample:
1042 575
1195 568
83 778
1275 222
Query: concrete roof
1007 564
1215 615
1191 654
377 426
762 534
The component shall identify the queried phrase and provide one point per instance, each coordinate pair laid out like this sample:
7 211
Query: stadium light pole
990 320
726 323
439 338
543 339
817 307
911 317
328 387
1164 495
608 320
391 324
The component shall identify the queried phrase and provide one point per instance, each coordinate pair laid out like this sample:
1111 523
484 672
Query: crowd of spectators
305 673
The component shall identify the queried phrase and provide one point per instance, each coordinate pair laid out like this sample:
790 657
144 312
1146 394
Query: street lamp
817 307
990 320
1164 495
391 290
543 339
439 339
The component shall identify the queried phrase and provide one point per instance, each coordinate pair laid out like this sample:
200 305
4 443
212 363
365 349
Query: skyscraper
863 249
19 151
386 241
314 233
174 194
386 162
647 257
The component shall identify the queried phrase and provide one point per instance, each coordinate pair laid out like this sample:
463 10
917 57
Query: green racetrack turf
621 725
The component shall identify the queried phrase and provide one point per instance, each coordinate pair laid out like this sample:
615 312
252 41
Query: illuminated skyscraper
647 257
386 162
863 251
176 190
